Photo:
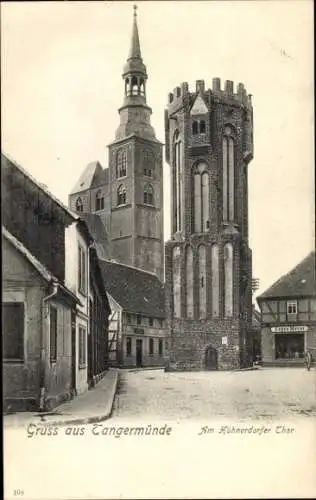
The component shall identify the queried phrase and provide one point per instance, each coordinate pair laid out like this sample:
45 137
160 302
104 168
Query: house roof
6 160
42 270
300 281
98 232
134 290
91 176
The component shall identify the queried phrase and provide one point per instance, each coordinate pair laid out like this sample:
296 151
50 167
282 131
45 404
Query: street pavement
266 393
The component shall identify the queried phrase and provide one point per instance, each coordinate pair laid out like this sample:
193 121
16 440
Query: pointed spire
134 52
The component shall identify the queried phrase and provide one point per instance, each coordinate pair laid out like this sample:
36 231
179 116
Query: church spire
134 52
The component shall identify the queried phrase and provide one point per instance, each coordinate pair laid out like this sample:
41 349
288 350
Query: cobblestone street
266 393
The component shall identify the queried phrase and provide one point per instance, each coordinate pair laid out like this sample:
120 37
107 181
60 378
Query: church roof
98 232
300 281
92 171
136 291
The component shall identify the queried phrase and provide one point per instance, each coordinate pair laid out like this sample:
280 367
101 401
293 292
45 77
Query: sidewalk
94 405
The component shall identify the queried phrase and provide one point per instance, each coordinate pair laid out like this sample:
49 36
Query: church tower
135 174
209 144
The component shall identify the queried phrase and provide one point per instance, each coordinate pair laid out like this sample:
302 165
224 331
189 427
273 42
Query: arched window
121 164
148 194
200 196
202 281
134 85
79 205
189 282
195 127
202 127
176 281
228 273
215 280
228 175
142 87
99 200
177 182
121 195
148 163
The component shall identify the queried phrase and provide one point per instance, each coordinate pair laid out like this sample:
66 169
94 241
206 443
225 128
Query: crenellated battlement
180 95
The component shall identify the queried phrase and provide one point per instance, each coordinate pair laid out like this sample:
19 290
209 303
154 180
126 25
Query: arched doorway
210 359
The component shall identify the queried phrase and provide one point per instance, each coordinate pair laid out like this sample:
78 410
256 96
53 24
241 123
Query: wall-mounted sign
224 341
287 329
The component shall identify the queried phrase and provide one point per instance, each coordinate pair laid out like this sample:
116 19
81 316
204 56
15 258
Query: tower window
121 195
195 128
134 85
200 197
177 182
228 277
228 175
202 127
99 200
79 205
148 194
121 164
148 162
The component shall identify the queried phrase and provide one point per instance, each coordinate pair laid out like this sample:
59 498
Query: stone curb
82 420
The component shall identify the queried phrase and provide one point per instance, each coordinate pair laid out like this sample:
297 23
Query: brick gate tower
209 144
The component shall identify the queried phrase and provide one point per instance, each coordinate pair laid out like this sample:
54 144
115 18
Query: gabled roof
98 233
7 161
300 281
41 269
136 291
86 179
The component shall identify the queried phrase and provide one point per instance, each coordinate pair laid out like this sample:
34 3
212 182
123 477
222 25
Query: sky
61 67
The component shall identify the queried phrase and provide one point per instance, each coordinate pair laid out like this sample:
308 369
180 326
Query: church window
177 182
79 205
148 194
121 195
189 282
228 273
228 175
200 198
202 280
215 280
176 271
202 127
99 200
148 162
121 164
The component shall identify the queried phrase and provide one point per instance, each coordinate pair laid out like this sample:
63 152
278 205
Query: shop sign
290 328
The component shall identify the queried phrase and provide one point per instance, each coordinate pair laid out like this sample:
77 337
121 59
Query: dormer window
79 205
99 200
202 127
195 127
198 127
121 164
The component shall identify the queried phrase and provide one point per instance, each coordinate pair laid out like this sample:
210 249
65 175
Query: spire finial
135 47
135 10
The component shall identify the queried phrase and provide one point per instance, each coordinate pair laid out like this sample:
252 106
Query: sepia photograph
158 249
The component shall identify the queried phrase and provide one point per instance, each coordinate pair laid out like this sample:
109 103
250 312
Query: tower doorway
210 358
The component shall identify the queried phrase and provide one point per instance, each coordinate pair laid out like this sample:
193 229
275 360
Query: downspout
44 325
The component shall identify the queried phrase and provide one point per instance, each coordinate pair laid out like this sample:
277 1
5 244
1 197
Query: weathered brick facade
213 212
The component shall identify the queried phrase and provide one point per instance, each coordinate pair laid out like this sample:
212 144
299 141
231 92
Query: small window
195 128
151 347
160 323
13 330
160 347
129 318
139 319
53 334
121 164
148 163
128 346
202 127
148 195
82 280
99 201
121 195
151 322
292 307
82 347
79 205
